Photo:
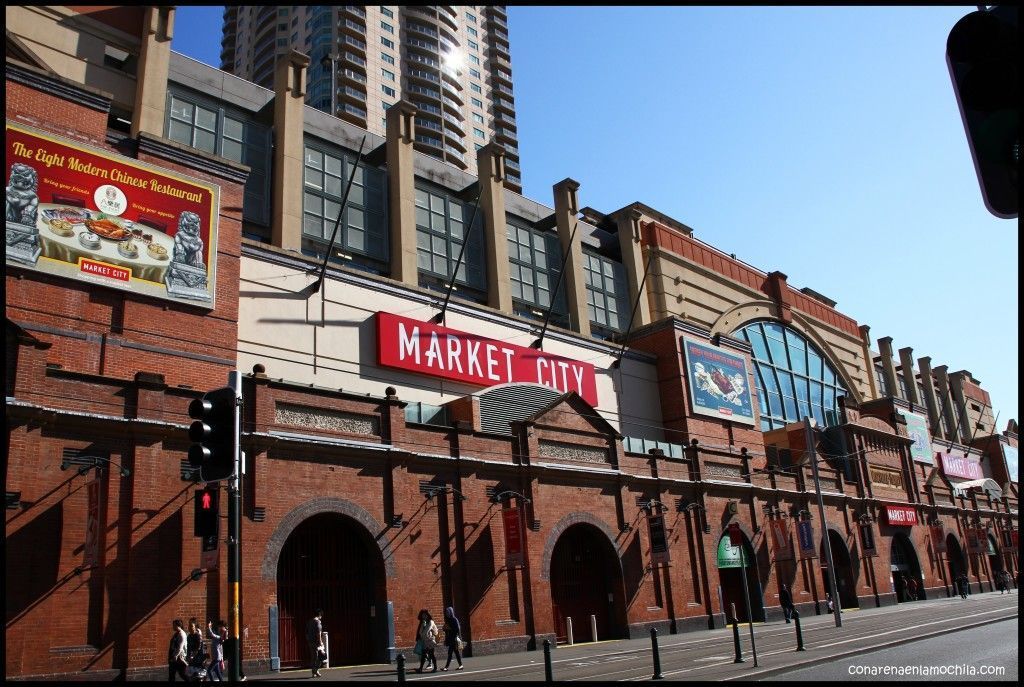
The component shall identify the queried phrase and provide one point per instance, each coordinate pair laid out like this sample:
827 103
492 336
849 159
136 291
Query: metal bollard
400 660
736 636
799 634
568 630
593 628
657 657
547 661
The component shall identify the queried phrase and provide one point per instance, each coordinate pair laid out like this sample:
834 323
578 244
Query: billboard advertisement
718 383
917 429
1010 455
94 216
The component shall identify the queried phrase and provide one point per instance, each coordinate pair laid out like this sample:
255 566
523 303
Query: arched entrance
586 579
330 562
904 566
955 560
846 586
731 577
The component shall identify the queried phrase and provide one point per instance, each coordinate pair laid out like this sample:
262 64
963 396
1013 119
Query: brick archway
374 529
564 524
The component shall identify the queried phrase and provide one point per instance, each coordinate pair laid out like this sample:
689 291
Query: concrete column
888 367
401 132
931 401
289 123
574 282
152 70
865 344
490 161
946 401
907 362
634 262
956 386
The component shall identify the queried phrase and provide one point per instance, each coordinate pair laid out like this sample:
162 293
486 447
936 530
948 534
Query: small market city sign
87 214
718 383
901 516
427 348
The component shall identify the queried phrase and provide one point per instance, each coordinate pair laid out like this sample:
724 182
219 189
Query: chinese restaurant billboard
718 383
80 212
917 429
1010 455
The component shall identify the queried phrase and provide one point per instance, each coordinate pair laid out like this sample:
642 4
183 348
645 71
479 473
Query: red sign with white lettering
955 466
901 516
434 350
513 537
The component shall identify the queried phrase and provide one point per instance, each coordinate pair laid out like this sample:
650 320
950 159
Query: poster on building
973 543
1010 456
960 466
514 554
938 534
780 539
917 429
718 383
91 550
82 213
867 539
659 539
805 534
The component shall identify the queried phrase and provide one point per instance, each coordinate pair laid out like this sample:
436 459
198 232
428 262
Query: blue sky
824 142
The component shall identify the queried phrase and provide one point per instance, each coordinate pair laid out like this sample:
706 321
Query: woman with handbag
452 637
427 635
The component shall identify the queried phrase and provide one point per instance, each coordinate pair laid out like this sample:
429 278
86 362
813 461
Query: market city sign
901 516
82 213
430 349
960 467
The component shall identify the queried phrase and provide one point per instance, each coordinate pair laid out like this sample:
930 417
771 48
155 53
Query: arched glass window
793 377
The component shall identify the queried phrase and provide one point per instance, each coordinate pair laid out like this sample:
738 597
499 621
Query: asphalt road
710 655
986 653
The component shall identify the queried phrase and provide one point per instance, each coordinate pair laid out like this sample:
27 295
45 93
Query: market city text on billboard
91 215
718 383
426 348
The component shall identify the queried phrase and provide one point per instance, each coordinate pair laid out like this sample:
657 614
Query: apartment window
283 12
477 146
386 12
387 58
388 90
475 60
478 103
470 18
471 31
362 233
385 104
390 76
883 386
474 45
474 72
282 27
606 293
387 27
479 133
208 127
793 377
534 263
475 88
479 119
387 43
282 42
440 233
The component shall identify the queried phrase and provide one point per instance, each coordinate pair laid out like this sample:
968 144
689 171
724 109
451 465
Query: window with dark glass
794 380
362 239
207 126
606 294
440 233
535 260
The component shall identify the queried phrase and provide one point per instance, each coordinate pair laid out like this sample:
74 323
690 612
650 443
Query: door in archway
904 566
955 561
328 562
585 576
995 561
846 586
733 572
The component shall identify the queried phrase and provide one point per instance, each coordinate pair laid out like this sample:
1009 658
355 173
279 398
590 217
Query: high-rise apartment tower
451 61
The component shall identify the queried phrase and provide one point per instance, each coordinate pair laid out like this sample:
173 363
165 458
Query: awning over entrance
986 484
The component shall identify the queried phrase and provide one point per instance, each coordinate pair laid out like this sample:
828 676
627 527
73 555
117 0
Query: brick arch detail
565 523
298 515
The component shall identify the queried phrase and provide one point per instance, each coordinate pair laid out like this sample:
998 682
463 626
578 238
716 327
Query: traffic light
981 53
214 434
207 521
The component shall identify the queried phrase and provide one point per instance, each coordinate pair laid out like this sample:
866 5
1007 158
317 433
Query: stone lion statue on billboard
23 195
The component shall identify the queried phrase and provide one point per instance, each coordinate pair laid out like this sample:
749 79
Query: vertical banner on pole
91 551
514 555
659 541
938 533
780 537
806 536
867 539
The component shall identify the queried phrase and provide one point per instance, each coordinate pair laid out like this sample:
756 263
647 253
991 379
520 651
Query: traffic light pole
235 540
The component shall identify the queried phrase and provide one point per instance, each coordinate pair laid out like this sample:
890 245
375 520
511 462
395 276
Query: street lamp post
824 526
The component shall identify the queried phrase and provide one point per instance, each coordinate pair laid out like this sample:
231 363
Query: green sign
917 429
729 555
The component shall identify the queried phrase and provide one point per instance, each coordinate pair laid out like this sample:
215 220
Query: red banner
780 537
434 350
1013 538
901 516
659 538
91 550
735 535
514 555
938 533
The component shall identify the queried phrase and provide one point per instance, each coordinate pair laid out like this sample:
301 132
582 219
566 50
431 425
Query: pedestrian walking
315 640
452 637
912 589
828 603
1009 581
904 591
218 636
427 635
1000 582
177 652
964 586
786 601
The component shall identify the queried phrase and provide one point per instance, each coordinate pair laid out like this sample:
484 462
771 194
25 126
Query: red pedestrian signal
207 520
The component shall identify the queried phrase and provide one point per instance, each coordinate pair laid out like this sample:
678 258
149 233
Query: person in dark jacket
452 637
786 601
315 640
